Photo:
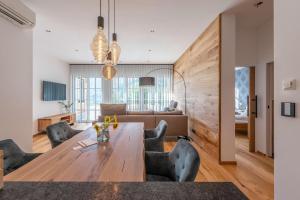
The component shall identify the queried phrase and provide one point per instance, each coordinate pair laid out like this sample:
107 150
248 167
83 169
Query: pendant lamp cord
108 20
114 16
100 7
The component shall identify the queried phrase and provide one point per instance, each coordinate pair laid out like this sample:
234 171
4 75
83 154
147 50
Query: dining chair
180 165
60 132
154 138
14 157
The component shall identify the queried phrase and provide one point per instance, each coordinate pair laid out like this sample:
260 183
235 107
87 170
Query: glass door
88 96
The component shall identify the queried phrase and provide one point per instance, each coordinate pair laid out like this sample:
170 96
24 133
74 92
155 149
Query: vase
103 136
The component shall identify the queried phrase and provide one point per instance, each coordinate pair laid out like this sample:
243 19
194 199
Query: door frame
252 109
270 109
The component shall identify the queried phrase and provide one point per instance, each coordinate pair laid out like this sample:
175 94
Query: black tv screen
54 91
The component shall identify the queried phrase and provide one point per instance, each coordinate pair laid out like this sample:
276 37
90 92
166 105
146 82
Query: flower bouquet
103 130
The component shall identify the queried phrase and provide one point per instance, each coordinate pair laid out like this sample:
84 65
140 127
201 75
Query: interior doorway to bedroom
245 108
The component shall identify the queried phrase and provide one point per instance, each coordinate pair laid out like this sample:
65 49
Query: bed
241 121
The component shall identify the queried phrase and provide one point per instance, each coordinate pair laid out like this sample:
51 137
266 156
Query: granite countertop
130 191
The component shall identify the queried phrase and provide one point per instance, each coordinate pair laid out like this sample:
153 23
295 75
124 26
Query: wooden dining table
119 160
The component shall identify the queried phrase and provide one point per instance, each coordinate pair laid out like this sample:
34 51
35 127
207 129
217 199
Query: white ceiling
177 23
247 15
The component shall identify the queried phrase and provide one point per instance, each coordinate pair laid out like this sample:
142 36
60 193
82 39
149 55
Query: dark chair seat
14 157
154 138
60 132
181 165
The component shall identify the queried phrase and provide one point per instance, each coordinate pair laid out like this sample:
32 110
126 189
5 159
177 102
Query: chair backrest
12 153
161 129
185 162
59 132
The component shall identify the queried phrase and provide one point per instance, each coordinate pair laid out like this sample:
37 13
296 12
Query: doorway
245 108
270 109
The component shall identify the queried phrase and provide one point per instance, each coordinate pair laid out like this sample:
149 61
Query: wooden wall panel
200 66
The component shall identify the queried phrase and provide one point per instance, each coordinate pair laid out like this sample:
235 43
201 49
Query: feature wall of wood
200 66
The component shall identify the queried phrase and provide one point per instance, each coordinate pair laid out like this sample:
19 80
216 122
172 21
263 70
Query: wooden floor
253 173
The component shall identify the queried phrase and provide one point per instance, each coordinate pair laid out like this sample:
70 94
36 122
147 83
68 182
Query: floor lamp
150 81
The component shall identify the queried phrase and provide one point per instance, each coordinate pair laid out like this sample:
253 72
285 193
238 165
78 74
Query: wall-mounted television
53 91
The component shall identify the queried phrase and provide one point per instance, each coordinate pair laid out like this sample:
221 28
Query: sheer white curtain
89 88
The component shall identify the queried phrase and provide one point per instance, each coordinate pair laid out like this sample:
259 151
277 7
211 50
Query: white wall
246 46
255 47
287 137
265 54
16 84
227 88
46 66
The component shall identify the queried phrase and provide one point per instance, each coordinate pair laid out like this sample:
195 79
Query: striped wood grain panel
200 66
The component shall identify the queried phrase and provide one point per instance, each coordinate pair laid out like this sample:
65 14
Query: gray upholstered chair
180 165
154 138
14 157
60 132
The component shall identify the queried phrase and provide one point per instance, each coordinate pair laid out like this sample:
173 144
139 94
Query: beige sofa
177 122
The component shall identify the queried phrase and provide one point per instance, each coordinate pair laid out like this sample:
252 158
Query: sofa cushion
176 112
149 112
113 109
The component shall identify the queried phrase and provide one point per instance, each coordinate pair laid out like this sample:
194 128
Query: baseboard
261 153
41 133
227 162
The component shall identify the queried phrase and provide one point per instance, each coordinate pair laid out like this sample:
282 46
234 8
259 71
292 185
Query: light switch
289 84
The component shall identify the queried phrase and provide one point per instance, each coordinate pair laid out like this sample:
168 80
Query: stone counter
122 191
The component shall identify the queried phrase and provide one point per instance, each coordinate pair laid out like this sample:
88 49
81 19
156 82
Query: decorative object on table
103 130
103 51
150 81
86 143
67 105
1 169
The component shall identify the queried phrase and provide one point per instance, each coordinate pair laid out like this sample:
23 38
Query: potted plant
67 106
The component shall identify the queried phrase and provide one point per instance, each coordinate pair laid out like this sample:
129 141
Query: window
89 89
133 92
119 94
88 96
